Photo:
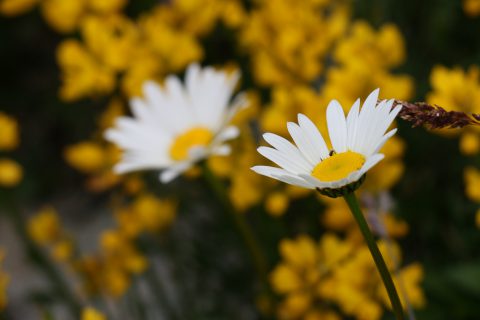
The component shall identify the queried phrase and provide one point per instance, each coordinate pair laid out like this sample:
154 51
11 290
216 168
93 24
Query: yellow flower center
198 136
338 166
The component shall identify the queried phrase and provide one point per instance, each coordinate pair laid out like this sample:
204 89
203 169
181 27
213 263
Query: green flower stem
243 228
377 256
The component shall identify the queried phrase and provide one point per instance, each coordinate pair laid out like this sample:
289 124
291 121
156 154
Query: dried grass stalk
434 117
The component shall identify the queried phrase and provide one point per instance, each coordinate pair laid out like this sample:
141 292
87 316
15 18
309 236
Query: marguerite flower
177 125
356 141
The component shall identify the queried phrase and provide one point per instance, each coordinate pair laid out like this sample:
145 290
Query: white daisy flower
356 141
176 125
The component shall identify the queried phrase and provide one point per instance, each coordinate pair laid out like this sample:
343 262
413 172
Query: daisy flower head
176 125
356 141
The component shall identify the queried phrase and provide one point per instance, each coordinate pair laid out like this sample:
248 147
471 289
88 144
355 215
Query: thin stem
391 255
377 256
243 228
161 296
41 260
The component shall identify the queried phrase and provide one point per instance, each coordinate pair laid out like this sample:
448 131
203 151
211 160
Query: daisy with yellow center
356 141
176 125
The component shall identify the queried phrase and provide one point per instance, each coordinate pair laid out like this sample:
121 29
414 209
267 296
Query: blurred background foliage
135 249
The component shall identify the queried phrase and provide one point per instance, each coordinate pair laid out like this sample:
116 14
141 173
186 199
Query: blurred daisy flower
175 126
356 141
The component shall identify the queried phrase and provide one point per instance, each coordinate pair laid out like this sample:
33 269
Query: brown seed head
433 116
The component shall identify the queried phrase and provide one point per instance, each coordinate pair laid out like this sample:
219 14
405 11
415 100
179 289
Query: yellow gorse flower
339 272
90 313
11 173
9 132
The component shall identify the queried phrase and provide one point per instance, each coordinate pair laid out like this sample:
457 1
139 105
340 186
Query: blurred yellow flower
161 37
408 280
112 269
11 173
337 216
337 272
90 313
114 109
111 40
247 189
472 183
106 6
287 102
4 281
470 142
120 252
114 281
282 38
62 250
388 172
277 203
364 58
232 13
44 227
16 7
455 89
82 75
347 83
9 136
382 49
471 7
86 156
154 214
63 15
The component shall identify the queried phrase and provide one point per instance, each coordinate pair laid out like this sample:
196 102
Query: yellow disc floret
180 147
338 166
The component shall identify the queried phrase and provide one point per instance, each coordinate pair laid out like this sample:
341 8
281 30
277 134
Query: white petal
391 117
137 162
171 173
380 144
370 137
318 147
196 153
281 175
337 126
371 100
191 77
239 103
177 98
286 147
140 109
282 160
315 182
384 120
372 161
352 122
269 171
293 180
303 143
223 150
364 120
123 167
162 108
226 134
